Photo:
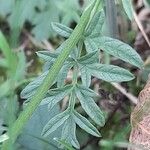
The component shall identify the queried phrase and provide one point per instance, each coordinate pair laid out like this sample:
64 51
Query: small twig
141 28
131 97
48 45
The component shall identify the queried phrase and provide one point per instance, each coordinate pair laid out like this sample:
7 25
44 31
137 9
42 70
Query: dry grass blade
131 97
141 28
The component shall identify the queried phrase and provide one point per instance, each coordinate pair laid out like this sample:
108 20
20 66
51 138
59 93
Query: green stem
111 20
15 130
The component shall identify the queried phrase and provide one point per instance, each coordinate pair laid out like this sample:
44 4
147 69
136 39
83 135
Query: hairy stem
48 81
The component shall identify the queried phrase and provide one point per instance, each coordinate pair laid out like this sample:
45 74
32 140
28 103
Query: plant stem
111 20
15 130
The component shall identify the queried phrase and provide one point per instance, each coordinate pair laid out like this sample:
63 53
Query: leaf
85 76
55 122
69 11
50 59
83 123
5 87
6 7
10 57
69 132
3 63
63 74
43 21
109 73
87 91
31 135
3 138
66 145
4 47
96 24
56 95
48 56
116 48
90 107
21 66
31 88
75 53
128 7
89 58
62 29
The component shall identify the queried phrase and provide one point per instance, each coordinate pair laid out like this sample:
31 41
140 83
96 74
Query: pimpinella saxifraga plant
87 65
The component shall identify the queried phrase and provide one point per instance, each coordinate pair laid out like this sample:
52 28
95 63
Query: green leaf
85 76
65 144
6 7
116 48
56 95
31 135
110 73
87 59
4 46
128 7
90 58
62 29
48 56
3 63
10 57
55 122
90 107
87 91
5 87
63 74
31 88
96 24
3 138
69 11
69 132
75 53
83 123
43 21
21 66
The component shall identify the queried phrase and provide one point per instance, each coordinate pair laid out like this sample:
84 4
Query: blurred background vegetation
26 25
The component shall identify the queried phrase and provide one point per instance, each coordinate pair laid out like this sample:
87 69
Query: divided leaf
56 95
85 76
48 56
87 59
63 74
87 91
69 132
109 73
55 123
84 124
90 58
96 24
116 48
66 145
31 88
90 107
50 59
62 29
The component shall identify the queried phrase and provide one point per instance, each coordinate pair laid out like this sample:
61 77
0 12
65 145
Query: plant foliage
87 65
